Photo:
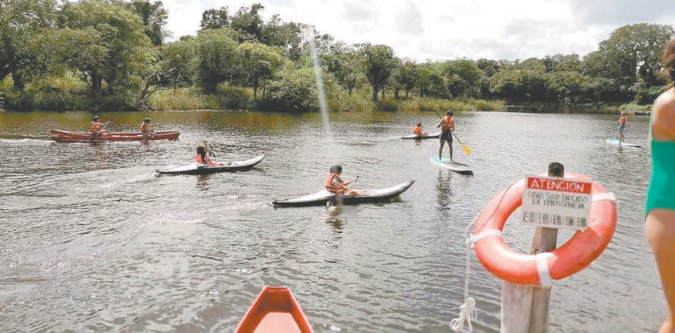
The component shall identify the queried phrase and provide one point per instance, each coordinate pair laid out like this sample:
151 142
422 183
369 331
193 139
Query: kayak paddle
465 148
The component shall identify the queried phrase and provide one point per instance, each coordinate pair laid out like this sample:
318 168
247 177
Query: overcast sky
450 29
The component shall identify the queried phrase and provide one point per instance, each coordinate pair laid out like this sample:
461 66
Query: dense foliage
113 54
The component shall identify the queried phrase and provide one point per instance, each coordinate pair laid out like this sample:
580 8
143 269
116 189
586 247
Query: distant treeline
112 55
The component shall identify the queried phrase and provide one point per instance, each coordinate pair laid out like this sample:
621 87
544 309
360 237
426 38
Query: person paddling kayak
335 184
96 127
623 122
418 130
448 126
203 158
146 127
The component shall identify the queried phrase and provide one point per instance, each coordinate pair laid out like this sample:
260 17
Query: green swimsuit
661 192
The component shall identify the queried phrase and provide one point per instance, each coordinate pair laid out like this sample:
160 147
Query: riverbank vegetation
113 55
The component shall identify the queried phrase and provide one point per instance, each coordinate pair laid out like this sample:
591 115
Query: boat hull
65 136
368 196
274 310
419 137
195 169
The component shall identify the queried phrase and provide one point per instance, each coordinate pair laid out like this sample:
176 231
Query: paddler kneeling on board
203 158
335 184
418 130
448 124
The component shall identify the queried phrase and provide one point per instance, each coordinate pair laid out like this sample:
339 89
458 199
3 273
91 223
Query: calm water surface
91 240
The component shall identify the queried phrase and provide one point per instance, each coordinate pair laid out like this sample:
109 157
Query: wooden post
525 308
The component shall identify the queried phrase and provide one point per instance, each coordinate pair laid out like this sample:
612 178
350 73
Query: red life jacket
417 130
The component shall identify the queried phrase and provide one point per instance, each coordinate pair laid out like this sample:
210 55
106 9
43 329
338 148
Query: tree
23 26
630 53
179 63
286 35
406 76
215 19
248 23
430 81
462 78
259 63
562 63
345 63
154 17
217 54
105 43
378 65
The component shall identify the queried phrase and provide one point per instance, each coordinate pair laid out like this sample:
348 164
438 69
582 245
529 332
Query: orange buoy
541 269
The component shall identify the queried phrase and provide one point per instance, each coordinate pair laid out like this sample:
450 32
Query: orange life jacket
417 130
447 123
329 183
198 159
144 127
95 127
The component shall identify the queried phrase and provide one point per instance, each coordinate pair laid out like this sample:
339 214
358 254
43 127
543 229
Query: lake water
92 240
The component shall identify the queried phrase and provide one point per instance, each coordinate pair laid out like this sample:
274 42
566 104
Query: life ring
540 269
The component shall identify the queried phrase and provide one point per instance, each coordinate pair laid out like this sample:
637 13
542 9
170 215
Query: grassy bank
192 99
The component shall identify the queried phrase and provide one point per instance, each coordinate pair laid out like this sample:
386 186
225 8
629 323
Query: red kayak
65 136
274 310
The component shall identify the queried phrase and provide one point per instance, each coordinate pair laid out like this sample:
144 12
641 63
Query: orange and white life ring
541 269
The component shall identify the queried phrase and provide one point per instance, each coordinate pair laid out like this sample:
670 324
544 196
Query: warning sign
557 202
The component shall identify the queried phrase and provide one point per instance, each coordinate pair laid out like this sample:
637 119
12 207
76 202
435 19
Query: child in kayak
96 127
146 127
623 122
418 130
203 158
335 184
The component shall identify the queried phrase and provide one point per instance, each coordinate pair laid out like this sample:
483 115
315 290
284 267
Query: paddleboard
615 141
445 162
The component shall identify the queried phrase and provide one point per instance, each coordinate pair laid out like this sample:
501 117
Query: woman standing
660 207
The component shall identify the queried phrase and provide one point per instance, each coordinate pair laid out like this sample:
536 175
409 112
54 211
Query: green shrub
229 97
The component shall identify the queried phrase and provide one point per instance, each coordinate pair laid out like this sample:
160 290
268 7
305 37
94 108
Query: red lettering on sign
559 185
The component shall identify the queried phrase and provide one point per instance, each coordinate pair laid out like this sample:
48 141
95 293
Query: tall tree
217 58
154 17
23 26
407 76
215 19
248 23
630 53
259 63
378 65
106 43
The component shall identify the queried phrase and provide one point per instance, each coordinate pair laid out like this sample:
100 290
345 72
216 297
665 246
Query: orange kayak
274 310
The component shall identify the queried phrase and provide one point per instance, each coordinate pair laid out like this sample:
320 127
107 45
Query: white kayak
615 141
201 169
451 165
322 197
428 136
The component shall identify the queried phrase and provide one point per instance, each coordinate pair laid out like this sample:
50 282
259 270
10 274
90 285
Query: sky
449 29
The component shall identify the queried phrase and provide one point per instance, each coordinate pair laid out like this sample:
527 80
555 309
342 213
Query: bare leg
660 231
440 151
450 148
621 136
